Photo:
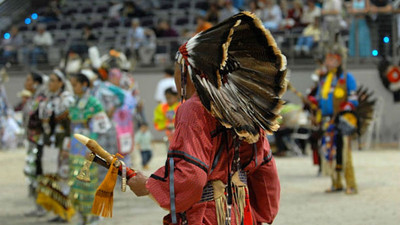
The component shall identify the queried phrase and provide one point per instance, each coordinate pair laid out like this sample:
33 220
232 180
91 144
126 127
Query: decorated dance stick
103 201
102 156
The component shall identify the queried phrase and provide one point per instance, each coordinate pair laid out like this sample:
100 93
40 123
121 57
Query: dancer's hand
138 184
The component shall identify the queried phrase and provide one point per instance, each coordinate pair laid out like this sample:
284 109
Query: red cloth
194 126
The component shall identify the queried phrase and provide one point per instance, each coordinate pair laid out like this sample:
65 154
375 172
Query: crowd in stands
144 28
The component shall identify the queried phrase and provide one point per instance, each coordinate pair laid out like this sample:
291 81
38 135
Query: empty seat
127 23
65 26
23 28
106 31
61 41
182 21
166 5
161 48
97 24
80 25
202 5
109 38
51 26
87 10
102 9
122 30
79 17
147 22
184 5
94 17
59 34
113 23
71 11
28 36
161 13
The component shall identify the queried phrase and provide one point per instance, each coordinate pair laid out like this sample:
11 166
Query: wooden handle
98 150
93 146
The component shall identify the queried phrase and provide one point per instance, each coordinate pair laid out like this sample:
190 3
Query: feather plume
365 108
239 74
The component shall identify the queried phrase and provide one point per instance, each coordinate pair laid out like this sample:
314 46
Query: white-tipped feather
192 43
192 62
190 71
284 63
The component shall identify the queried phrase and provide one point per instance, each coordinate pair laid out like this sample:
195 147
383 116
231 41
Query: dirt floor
303 201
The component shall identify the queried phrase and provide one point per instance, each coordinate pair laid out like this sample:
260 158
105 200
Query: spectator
284 6
131 10
310 12
42 40
310 35
51 13
88 40
296 12
164 29
228 11
383 21
254 7
164 113
271 15
331 19
87 33
213 14
115 10
143 140
202 24
148 49
358 10
10 46
292 15
165 83
134 39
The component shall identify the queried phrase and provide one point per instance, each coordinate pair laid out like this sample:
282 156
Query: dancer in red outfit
220 168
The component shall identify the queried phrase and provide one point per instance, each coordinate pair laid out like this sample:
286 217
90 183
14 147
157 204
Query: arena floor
303 201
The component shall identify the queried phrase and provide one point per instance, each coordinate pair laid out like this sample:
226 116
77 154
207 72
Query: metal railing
286 40
12 9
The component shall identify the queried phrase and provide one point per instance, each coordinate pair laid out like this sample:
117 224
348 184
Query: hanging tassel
103 200
220 201
248 218
240 193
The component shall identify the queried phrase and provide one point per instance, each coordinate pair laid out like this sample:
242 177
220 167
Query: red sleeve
191 151
264 187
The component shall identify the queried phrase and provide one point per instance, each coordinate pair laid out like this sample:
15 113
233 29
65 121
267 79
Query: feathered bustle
365 109
239 74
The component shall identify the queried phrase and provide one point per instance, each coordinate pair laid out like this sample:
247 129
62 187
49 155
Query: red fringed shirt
194 148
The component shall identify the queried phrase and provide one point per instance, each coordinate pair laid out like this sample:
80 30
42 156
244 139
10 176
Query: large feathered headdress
239 74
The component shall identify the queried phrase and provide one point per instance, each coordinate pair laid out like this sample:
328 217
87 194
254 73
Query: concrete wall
390 125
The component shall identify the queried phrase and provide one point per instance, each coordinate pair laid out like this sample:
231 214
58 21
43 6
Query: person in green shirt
143 140
87 117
